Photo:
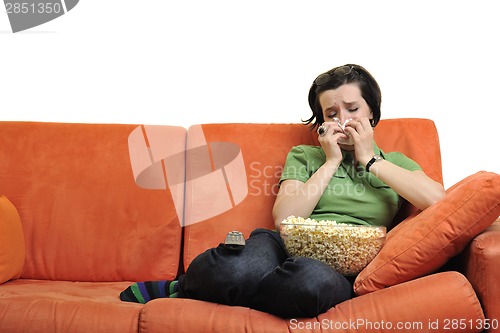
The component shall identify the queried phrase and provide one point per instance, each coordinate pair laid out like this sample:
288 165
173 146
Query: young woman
347 179
323 182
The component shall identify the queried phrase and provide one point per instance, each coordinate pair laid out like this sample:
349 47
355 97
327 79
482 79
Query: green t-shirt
353 195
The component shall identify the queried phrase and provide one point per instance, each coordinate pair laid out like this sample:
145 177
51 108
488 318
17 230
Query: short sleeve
296 165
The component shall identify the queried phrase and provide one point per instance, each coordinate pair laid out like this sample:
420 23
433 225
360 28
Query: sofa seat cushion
434 303
12 250
425 301
60 306
188 315
422 244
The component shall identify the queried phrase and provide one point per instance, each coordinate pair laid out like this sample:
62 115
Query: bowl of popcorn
347 248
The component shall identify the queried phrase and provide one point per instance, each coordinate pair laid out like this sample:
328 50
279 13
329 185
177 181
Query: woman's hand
298 198
415 186
329 141
361 132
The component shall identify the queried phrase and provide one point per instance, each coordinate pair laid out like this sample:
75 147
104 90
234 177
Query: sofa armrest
481 267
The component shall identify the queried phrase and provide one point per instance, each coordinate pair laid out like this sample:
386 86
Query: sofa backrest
264 148
112 202
416 138
84 217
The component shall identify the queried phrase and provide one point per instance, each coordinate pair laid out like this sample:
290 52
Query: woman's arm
298 198
415 186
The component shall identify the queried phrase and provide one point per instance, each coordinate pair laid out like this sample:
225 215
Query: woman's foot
143 292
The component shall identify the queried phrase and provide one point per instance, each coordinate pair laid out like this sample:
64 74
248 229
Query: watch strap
374 159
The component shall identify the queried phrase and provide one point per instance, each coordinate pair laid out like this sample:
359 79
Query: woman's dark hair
334 78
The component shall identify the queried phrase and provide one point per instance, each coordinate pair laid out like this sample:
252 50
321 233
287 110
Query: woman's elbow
438 194
433 197
277 217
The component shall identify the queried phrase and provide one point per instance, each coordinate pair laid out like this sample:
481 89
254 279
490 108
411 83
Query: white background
189 62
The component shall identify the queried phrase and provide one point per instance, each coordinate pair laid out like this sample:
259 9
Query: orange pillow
423 243
12 250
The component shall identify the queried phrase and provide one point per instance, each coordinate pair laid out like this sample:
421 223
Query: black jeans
262 276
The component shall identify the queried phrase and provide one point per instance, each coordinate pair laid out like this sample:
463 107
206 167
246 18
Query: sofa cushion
428 304
39 306
83 213
189 315
422 244
12 250
405 135
263 148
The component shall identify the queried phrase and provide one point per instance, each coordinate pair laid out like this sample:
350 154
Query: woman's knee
315 280
302 287
230 276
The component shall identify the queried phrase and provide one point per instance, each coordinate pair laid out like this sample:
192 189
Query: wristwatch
374 159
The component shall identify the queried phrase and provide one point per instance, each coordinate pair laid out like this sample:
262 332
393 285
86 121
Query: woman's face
344 103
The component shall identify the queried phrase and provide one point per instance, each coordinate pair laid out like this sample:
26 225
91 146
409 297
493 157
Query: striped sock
143 292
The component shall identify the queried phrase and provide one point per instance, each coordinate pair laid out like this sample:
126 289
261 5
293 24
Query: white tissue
347 141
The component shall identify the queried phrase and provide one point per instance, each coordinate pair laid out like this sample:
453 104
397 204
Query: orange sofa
87 209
